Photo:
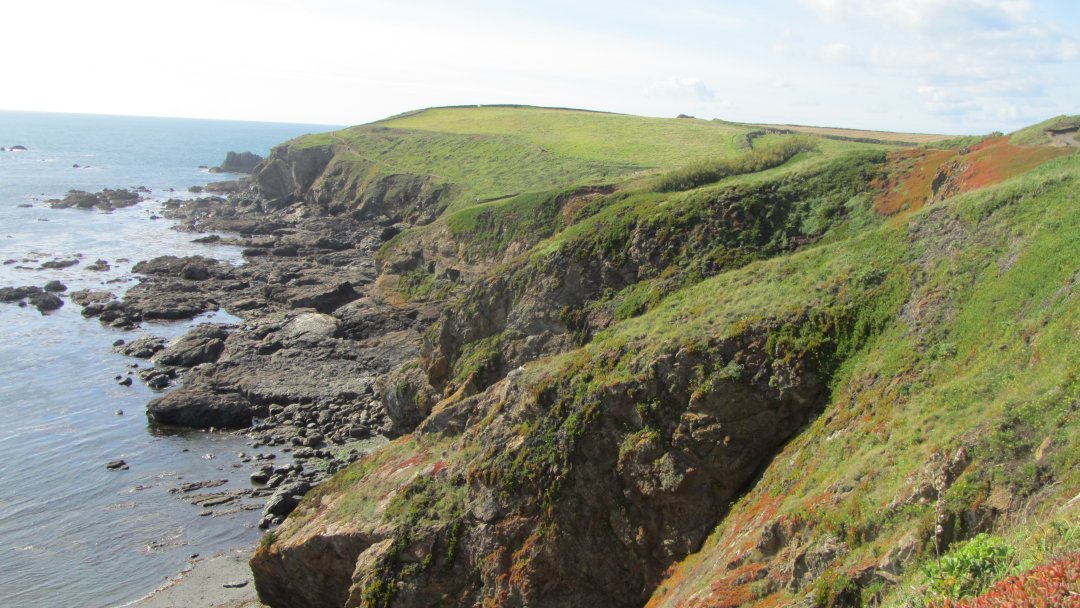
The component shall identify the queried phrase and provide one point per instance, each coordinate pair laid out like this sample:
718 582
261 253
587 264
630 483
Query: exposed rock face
287 176
238 162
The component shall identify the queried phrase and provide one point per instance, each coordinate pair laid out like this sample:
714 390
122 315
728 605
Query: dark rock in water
203 344
76 198
235 585
84 297
143 347
17 149
198 485
55 287
14 294
45 302
99 266
195 189
192 268
36 296
157 378
210 238
75 166
25 206
125 382
203 408
117 465
106 200
58 264
238 162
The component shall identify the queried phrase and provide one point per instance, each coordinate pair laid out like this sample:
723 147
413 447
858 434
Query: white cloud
962 56
836 52
926 14
684 87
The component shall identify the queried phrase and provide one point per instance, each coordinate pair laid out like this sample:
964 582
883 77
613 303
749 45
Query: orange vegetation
1056 584
917 177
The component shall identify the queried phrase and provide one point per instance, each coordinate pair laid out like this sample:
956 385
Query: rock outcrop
238 162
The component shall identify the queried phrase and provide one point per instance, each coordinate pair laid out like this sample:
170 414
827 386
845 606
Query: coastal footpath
620 361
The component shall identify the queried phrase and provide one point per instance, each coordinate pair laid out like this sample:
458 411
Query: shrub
968 570
757 159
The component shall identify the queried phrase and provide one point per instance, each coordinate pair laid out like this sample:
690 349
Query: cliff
663 368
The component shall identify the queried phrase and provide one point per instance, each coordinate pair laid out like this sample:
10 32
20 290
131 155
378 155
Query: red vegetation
1052 585
917 177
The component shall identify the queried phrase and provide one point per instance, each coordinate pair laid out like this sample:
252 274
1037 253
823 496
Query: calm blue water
71 532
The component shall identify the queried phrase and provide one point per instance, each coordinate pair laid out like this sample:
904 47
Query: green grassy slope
1036 135
494 152
980 355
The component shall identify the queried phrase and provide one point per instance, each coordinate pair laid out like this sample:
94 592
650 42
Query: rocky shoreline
301 375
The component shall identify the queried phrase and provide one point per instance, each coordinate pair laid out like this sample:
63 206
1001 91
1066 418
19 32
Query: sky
939 66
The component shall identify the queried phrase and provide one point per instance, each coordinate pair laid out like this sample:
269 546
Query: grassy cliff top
1043 133
500 151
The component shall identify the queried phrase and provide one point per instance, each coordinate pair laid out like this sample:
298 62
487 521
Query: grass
1035 135
629 141
756 159
867 136
497 152
489 228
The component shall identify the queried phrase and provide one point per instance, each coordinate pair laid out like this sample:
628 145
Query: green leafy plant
970 569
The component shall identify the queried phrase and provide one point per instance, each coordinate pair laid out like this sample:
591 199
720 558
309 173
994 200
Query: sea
73 533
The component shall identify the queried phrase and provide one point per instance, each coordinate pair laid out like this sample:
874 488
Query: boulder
45 302
143 347
192 268
202 408
203 344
